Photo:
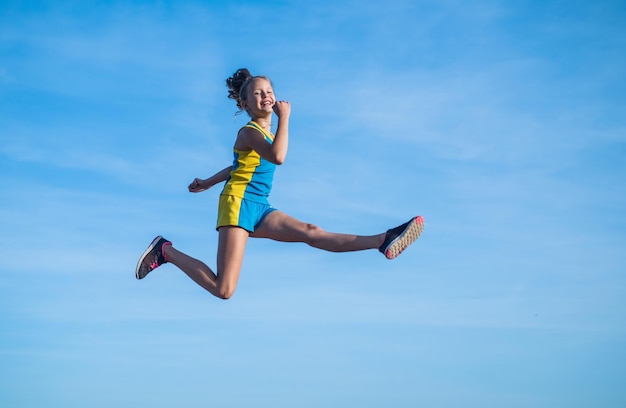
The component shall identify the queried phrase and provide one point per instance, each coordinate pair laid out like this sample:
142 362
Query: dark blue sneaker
152 257
399 238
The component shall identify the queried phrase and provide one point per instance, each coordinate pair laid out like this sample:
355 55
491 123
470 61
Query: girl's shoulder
247 133
253 129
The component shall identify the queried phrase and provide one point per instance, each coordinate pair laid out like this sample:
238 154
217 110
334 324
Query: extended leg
282 227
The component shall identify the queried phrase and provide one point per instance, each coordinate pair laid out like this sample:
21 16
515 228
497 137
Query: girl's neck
265 123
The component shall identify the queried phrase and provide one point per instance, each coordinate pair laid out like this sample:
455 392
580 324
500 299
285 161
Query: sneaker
399 238
152 258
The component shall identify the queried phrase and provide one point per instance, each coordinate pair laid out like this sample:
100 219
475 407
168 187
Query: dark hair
238 83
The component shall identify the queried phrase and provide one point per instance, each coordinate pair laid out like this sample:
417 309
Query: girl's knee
225 292
312 234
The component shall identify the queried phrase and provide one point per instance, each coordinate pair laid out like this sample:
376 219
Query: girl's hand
199 185
282 109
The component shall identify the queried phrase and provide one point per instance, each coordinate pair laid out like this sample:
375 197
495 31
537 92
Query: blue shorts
238 212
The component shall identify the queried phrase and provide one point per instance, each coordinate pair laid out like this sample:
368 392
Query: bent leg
230 251
282 227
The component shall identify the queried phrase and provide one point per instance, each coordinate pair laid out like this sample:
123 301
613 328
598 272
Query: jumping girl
244 210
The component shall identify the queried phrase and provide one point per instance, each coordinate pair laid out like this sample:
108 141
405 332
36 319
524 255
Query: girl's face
259 97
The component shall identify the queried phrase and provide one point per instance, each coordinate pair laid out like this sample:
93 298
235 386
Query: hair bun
235 82
242 74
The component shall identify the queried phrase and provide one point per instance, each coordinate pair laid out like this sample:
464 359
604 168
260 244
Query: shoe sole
143 256
408 236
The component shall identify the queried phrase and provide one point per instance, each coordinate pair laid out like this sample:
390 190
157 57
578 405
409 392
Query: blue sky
502 123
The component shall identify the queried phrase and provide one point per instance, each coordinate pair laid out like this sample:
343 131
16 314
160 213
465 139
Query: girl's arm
199 185
275 152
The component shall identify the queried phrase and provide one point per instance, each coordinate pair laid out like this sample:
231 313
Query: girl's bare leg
230 251
282 227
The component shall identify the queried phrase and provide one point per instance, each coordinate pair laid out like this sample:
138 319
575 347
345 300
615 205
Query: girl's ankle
166 250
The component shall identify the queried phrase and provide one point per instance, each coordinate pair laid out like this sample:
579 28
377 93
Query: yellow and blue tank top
251 176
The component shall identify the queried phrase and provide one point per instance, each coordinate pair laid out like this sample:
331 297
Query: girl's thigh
282 227
230 252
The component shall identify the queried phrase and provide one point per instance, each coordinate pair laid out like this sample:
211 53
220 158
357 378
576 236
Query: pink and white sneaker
399 238
152 257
